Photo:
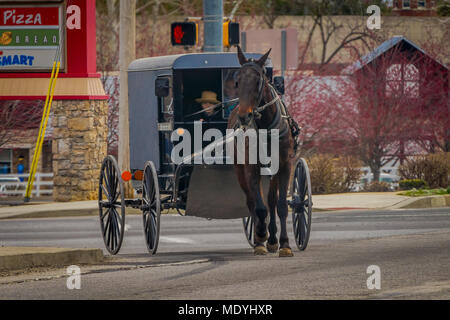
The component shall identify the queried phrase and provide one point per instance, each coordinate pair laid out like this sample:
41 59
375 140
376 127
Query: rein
212 107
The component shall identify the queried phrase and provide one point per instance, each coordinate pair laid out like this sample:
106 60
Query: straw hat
208 96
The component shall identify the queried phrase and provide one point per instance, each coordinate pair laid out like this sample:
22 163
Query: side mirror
162 87
278 83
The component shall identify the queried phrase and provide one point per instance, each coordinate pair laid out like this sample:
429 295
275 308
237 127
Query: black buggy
162 98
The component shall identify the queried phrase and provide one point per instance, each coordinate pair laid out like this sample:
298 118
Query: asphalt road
201 259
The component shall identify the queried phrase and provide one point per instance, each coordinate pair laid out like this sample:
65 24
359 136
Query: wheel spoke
105 191
246 223
108 235
105 229
295 222
144 188
102 217
112 231
113 183
105 179
116 214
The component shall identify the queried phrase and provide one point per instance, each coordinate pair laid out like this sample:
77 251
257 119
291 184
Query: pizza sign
30 37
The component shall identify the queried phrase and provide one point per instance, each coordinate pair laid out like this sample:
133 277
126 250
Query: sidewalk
329 202
52 209
360 200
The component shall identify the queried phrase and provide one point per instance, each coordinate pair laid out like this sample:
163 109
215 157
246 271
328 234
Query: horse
260 108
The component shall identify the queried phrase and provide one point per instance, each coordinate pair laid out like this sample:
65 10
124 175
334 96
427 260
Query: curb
424 202
70 209
16 258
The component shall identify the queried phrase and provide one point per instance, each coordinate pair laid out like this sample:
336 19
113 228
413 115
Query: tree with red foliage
382 111
398 100
314 102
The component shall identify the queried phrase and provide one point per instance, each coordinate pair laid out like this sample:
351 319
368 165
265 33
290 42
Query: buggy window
199 87
166 103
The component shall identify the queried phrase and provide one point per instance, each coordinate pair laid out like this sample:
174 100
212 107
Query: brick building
419 8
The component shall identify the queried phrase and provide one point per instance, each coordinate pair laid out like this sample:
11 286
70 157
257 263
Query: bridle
256 112
260 70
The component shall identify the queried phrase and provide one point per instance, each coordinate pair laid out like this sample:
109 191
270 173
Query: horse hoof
286 252
273 248
260 251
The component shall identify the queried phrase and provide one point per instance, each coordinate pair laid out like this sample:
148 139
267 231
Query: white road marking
176 240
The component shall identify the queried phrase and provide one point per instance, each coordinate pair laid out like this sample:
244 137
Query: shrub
333 175
409 184
377 186
434 169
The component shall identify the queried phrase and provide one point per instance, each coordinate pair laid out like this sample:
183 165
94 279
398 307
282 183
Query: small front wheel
151 207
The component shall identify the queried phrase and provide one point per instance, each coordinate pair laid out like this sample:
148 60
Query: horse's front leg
282 210
259 212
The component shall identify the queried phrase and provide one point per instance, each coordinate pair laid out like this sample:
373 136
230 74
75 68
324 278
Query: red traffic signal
184 33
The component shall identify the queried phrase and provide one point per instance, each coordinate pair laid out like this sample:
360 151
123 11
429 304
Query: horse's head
250 84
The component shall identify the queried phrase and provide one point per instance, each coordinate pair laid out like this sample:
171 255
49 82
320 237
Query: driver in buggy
210 106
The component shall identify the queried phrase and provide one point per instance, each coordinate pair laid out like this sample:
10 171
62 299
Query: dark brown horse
260 108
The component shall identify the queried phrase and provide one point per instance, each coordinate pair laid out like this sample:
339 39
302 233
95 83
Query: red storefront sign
22 16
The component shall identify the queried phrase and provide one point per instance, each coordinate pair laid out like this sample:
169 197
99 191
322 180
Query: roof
384 47
192 61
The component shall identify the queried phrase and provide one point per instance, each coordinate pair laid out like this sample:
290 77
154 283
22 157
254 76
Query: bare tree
17 116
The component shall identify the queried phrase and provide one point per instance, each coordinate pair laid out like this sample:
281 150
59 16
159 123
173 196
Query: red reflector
138 174
126 176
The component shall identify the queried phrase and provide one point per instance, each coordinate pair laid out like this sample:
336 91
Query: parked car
389 178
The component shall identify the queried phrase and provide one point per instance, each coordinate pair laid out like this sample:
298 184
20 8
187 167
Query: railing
15 184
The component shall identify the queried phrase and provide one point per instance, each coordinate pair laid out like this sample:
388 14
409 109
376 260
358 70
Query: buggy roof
192 61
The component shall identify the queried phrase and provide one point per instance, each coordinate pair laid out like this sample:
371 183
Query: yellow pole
42 129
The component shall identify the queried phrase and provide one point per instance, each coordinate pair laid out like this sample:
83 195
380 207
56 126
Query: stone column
79 146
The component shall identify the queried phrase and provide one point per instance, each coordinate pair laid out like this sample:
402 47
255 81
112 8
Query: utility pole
213 25
127 53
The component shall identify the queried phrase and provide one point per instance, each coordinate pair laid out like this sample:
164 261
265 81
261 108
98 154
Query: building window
5 161
421 3
402 79
406 4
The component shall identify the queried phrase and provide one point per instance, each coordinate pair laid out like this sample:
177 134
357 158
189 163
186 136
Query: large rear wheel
111 204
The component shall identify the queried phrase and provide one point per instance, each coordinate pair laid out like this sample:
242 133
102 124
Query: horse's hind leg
272 243
282 210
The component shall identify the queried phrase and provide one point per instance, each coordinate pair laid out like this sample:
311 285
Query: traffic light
230 33
184 34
